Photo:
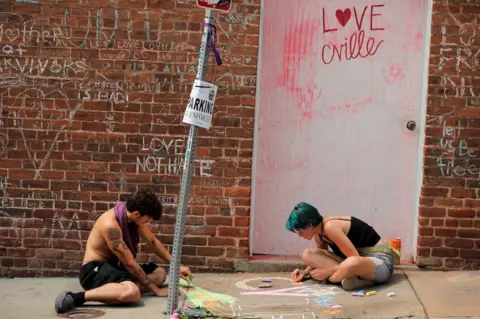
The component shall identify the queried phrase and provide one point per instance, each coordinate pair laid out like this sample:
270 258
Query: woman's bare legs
353 267
355 272
320 258
348 271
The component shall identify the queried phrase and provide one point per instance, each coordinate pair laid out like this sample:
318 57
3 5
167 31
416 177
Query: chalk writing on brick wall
197 200
460 53
123 61
3 142
168 158
454 160
4 191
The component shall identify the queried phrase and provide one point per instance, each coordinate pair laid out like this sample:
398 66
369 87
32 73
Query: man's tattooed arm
119 248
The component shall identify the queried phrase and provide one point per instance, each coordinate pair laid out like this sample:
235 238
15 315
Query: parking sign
220 5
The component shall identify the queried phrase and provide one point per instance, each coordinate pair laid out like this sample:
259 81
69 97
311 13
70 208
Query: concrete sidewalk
418 294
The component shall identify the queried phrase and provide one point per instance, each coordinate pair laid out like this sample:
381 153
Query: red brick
466 223
427 201
7 262
472 203
469 233
221 241
49 263
219 262
52 233
423 252
429 242
423 221
444 252
425 231
445 232
232 232
218 220
186 250
10 242
437 222
211 251
432 212
242 221
6 221
21 174
459 243
21 262
37 243
461 213
10 163
200 230
470 254
241 211
451 222
72 255
454 263
462 193
21 252
466 8
207 191
238 192
193 260
237 252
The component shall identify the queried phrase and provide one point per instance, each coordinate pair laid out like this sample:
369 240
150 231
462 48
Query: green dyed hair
302 216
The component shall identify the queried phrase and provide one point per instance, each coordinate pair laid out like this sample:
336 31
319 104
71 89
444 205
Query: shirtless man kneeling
109 272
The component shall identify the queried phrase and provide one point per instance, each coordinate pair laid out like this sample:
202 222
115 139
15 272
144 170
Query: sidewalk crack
416 294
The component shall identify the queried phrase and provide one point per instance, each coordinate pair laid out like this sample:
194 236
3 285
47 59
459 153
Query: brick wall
449 232
92 94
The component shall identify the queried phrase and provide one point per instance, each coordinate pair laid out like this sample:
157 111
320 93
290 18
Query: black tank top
360 234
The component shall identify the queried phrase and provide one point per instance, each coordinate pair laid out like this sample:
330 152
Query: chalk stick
358 294
267 280
371 293
391 294
265 286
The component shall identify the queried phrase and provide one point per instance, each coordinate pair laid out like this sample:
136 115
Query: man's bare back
97 248
109 272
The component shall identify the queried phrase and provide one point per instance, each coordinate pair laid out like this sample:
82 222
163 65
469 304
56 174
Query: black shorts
95 274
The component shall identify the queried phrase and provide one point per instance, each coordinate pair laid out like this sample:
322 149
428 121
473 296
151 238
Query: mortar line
416 294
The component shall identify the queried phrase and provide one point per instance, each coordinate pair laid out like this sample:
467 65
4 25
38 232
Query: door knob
411 125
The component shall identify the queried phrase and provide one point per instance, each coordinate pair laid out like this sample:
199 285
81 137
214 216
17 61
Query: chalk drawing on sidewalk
201 297
273 315
316 290
244 284
465 277
314 299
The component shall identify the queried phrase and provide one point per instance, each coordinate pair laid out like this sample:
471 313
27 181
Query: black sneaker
64 302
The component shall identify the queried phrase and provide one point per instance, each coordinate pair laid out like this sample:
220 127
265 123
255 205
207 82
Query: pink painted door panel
339 80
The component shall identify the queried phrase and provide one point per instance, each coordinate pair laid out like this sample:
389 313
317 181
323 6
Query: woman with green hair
352 262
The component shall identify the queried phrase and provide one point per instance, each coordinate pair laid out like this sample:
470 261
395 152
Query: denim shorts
384 265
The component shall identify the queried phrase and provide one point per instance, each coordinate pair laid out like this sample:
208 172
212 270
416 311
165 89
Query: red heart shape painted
343 16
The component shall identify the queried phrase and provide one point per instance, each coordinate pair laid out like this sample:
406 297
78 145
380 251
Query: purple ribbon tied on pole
212 34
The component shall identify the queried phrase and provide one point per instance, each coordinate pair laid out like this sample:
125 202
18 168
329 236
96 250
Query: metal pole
173 286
